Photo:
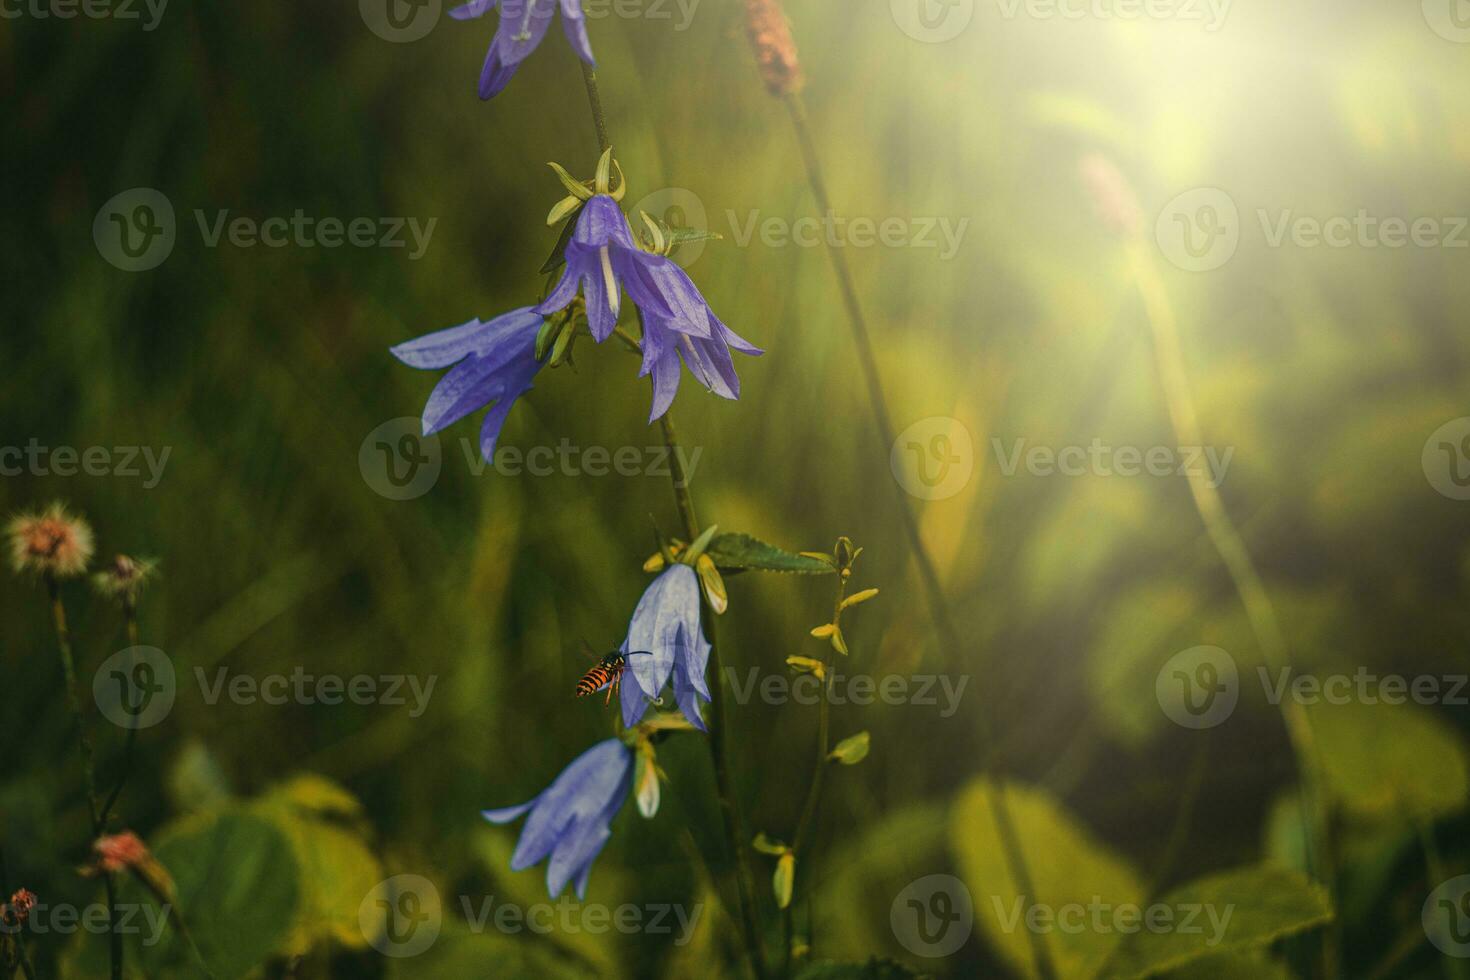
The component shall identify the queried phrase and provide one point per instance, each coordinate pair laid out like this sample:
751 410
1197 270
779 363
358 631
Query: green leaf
851 750
737 552
783 879
1240 910
458 953
1388 761
337 867
558 251
237 887
1067 865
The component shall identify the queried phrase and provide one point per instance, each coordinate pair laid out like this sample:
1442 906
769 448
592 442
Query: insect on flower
606 673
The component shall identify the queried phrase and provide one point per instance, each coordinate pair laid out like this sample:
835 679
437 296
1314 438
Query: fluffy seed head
124 578
50 542
18 909
120 852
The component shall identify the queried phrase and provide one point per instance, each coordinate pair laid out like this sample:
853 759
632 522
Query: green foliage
1236 911
741 552
1391 761
873 969
1067 864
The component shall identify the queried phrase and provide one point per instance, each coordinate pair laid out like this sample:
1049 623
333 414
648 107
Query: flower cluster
492 362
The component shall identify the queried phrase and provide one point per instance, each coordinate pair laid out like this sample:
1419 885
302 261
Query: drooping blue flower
696 336
570 819
491 363
523 24
602 260
666 624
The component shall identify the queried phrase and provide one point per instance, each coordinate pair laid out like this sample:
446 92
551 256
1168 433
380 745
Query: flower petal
471 10
734 339
665 385
575 28
523 24
442 348
495 74
507 813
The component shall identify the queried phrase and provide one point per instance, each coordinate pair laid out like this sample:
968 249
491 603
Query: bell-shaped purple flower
602 261
570 819
491 363
694 335
523 23
666 624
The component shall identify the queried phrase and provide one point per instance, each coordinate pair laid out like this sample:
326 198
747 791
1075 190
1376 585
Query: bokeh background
263 370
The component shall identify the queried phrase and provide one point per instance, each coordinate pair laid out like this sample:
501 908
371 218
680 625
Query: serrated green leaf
741 551
1385 760
1239 910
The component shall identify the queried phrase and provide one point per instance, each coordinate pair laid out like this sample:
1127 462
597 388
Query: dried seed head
775 50
124 578
120 852
18 909
51 542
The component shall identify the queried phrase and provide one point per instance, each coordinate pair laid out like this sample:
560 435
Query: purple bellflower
666 624
523 24
490 363
570 819
602 261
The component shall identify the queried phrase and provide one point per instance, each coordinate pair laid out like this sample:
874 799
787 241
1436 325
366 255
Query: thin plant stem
819 770
130 615
94 812
1260 612
933 589
718 742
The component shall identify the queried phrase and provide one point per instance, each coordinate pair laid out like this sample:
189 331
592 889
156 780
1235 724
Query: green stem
729 812
819 770
718 731
1231 547
69 669
933 590
130 614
